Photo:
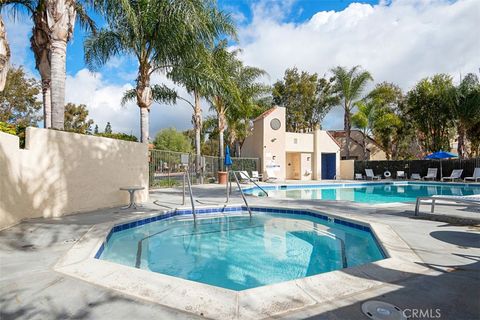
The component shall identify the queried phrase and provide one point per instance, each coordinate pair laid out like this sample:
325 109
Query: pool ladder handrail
191 196
241 192
253 181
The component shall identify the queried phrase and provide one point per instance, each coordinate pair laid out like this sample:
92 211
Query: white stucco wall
60 173
298 142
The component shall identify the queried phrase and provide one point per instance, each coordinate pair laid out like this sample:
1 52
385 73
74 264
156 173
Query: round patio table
131 190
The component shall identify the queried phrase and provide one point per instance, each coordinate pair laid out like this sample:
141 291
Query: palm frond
129 95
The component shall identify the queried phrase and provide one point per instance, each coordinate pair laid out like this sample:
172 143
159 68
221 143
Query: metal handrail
191 196
251 180
243 195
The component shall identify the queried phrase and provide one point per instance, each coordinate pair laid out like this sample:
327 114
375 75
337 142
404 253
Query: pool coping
280 186
260 302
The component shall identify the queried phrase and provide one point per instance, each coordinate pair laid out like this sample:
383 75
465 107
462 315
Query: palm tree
226 95
363 119
160 34
349 84
252 102
466 108
53 22
4 55
200 80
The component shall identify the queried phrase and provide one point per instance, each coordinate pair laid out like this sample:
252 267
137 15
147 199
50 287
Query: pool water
238 252
369 193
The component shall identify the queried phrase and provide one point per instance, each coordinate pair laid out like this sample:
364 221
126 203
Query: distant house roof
266 113
342 134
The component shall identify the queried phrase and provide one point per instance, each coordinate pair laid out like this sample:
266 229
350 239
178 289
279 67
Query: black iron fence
445 167
166 168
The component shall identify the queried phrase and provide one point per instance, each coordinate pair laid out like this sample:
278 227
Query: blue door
329 167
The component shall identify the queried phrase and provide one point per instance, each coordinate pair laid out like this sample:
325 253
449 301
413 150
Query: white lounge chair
370 175
244 177
456 174
401 175
472 199
415 176
431 174
358 176
256 176
475 177
270 175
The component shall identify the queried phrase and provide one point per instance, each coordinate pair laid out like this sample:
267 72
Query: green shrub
118 136
8 128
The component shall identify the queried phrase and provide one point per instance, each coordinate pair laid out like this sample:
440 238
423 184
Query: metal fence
418 166
166 168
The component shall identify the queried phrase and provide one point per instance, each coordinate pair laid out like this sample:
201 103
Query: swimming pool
237 252
372 193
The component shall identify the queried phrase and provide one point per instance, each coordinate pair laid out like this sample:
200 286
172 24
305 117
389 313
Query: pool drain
379 310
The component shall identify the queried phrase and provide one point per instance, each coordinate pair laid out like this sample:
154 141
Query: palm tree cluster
53 25
184 40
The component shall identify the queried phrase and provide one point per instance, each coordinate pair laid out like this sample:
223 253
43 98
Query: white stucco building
292 156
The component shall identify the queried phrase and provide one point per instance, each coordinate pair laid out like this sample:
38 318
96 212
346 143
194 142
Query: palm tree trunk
197 123
461 140
61 16
221 131
59 52
144 124
144 101
347 127
47 103
364 146
4 55
40 45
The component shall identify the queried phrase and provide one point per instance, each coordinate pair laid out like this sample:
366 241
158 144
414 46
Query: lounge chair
401 175
456 174
415 176
471 199
475 177
358 176
256 176
270 175
431 174
370 175
244 177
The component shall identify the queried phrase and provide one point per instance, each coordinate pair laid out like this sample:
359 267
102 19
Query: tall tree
429 108
18 101
306 97
53 22
364 120
254 98
76 118
349 84
466 109
172 140
108 128
160 34
4 55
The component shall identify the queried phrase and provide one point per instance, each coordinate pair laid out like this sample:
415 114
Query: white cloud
18 36
104 104
401 42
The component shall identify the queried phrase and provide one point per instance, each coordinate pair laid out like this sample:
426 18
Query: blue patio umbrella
439 155
228 160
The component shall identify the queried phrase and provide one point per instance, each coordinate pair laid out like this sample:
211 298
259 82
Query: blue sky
400 41
300 11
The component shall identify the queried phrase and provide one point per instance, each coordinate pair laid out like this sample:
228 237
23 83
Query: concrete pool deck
31 289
